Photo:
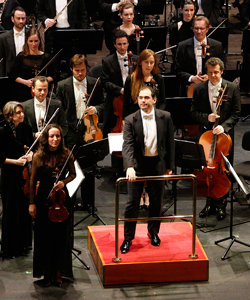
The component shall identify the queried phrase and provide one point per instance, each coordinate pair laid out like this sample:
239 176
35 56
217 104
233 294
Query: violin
212 181
57 211
118 101
92 133
138 38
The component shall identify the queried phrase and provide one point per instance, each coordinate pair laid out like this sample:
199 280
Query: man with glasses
192 54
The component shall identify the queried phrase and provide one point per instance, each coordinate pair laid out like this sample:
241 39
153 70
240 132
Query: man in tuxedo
73 17
36 110
192 54
110 9
148 150
71 92
115 70
202 111
11 42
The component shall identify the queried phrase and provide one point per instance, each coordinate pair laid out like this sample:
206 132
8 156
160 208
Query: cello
212 181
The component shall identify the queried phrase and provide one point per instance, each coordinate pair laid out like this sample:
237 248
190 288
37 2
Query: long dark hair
30 32
44 153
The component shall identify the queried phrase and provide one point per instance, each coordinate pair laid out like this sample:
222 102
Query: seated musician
202 111
73 92
192 54
38 110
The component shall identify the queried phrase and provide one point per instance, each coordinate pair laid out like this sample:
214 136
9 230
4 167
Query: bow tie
123 58
79 83
215 88
148 117
39 104
18 34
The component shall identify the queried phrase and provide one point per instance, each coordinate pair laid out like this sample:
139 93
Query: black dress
16 222
27 67
130 107
52 240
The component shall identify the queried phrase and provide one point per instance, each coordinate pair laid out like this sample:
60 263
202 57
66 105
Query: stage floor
145 263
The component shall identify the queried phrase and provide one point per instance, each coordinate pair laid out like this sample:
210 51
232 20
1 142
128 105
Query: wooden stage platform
145 263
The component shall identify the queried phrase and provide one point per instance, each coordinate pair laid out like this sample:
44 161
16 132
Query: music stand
6 90
87 156
246 191
189 155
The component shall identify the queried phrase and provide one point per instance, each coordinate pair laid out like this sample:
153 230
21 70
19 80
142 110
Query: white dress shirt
123 62
150 133
62 20
213 92
40 109
198 56
19 40
200 10
80 89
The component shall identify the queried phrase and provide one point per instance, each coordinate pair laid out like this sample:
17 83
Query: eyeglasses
199 28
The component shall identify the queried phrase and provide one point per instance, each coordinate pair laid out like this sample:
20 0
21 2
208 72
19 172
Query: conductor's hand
212 117
32 210
130 174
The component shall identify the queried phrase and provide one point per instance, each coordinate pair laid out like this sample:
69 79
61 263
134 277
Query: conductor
148 150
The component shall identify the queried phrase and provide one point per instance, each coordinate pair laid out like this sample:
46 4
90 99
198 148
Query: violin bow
165 49
1 59
58 175
217 27
219 102
32 146
58 15
47 65
47 109
92 92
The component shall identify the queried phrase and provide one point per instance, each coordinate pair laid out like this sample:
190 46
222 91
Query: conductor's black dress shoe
125 246
155 240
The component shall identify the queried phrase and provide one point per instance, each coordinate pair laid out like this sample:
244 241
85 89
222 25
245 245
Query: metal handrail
162 177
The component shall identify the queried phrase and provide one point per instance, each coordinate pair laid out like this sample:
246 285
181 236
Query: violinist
39 109
16 222
28 63
12 41
192 54
52 256
73 92
146 73
202 111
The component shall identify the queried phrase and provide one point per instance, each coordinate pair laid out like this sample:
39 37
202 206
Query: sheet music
73 185
115 142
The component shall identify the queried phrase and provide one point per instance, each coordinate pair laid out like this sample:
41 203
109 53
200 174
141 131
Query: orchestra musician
190 56
11 42
6 22
182 30
148 150
202 111
115 69
35 109
72 93
16 222
73 17
28 63
52 257
146 73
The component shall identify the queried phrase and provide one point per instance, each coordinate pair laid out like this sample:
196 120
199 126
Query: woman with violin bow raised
16 136
220 118
50 205
27 65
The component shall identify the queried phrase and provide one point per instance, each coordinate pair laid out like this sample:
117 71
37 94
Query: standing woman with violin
146 73
16 223
28 63
204 111
52 256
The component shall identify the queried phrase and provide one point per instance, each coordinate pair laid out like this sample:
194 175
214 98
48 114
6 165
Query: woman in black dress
28 63
182 30
16 222
146 73
52 240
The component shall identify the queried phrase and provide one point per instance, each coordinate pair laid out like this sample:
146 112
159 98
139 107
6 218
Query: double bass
212 181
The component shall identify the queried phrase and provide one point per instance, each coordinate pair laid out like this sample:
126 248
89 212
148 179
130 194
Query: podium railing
163 177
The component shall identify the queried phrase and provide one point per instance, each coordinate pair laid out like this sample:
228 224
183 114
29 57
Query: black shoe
221 213
141 207
155 240
146 207
208 210
125 246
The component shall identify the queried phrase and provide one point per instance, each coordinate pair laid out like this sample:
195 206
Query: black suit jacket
77 14
245 12
6 16
229 112
133 149
112 82
65 93
30 117
186 62
7 52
